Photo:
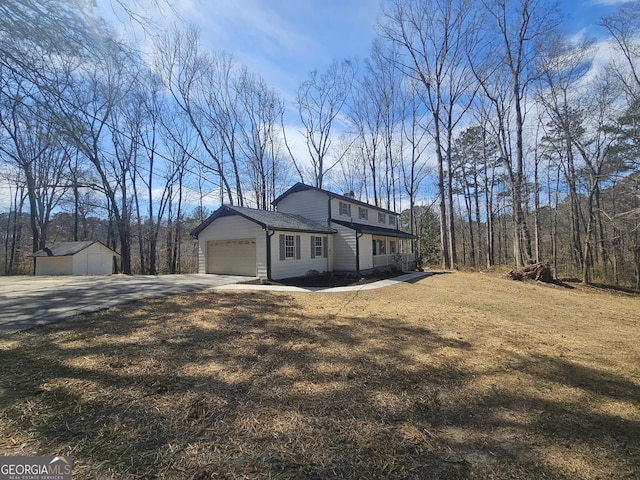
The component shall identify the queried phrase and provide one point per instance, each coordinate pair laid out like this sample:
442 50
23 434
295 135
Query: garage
232 257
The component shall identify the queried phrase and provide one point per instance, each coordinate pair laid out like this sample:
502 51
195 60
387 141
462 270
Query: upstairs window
392 220
345 209
363 213
381 218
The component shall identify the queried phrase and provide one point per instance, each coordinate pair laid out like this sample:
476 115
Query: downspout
268 237
329 251
329 266
358 235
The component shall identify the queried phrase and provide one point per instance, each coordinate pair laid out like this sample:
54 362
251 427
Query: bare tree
412 144
374 115
563 67
59 27
517 33
12 231
352 176
259 131
435 38
623 26
197 83
90 116
594 146
181 146
320 99
34 149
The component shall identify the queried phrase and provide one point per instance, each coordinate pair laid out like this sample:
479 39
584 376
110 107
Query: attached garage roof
266 219
386 232
65 249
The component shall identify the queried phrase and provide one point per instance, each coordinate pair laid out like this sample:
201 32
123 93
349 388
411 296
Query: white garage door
232 257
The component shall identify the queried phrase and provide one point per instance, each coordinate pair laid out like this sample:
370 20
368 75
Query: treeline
500 135
175 254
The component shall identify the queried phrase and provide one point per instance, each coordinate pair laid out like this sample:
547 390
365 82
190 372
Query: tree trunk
587 258
451 223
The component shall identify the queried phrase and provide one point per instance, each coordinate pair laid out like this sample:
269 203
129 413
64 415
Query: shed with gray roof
89 257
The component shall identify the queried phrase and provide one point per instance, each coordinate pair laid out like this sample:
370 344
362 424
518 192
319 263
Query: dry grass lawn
454 376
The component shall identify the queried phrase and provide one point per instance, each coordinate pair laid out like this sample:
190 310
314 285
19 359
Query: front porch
392 252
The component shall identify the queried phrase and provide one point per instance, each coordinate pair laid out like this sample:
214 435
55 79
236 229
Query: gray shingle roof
373 230
64 249
266 219
301 187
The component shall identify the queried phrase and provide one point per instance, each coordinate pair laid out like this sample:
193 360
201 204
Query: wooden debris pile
534 271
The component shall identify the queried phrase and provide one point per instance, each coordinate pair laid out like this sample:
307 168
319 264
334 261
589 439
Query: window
289 246
392 220
393 249
381 217
319 247
345 209
363 213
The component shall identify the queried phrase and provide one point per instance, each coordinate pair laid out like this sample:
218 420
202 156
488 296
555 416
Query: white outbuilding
90 257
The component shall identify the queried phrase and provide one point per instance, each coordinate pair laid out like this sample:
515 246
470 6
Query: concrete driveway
26 302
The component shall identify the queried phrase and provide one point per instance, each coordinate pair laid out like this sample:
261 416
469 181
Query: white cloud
280 40
609 2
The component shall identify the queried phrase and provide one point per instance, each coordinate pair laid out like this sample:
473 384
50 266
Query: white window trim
346 211
289 249
319 246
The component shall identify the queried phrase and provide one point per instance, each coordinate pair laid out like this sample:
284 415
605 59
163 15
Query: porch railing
402 261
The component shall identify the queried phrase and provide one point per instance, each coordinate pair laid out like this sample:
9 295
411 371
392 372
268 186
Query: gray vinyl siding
309 204
372 217
229 228
298 267
366 252
335 211
344 249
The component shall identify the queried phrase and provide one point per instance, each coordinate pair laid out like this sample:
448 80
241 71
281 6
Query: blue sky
586 14
283 40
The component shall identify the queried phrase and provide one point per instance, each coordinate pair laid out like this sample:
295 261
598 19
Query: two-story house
312 230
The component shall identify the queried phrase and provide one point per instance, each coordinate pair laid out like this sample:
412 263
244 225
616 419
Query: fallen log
534 271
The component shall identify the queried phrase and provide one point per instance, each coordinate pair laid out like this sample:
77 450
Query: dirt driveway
26 302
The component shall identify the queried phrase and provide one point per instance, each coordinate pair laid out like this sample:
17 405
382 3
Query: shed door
232 257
